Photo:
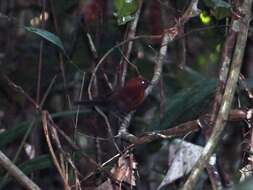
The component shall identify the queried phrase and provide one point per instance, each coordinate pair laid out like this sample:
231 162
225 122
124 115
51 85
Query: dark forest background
51 50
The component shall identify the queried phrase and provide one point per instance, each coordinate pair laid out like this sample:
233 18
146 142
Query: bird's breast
130 99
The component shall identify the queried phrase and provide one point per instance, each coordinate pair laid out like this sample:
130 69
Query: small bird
123 100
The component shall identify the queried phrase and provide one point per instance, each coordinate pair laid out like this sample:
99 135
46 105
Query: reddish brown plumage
125 99
130 96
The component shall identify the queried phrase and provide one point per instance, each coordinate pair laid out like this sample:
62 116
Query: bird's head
138 82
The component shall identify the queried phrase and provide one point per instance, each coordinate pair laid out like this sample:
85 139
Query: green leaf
125 10
48 36
246 184
221 4
13 133
205 18
70 113
188 104
39 163
220 13
217 4
219 8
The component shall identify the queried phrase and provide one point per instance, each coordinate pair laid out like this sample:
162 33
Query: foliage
124 10
35 74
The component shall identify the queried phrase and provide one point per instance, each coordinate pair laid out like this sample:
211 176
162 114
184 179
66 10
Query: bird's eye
143 82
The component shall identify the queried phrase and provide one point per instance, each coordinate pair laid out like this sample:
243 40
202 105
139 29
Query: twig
182 56
191 11
47 91
64 156
92 45
78 108
109 128
162 98
130 35
77 181
17 173
55 159
19 89
213 173
245 86
41 53
227 97
128 62
39 71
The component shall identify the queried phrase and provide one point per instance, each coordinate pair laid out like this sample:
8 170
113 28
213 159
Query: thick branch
226 58
227 97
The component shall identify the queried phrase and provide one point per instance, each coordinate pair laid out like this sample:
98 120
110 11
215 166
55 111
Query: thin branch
128 62
159 64
48 91
55 159
43 2
131 34
78 108
182 56
109 128
19 89
245 86
92 45
17 173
